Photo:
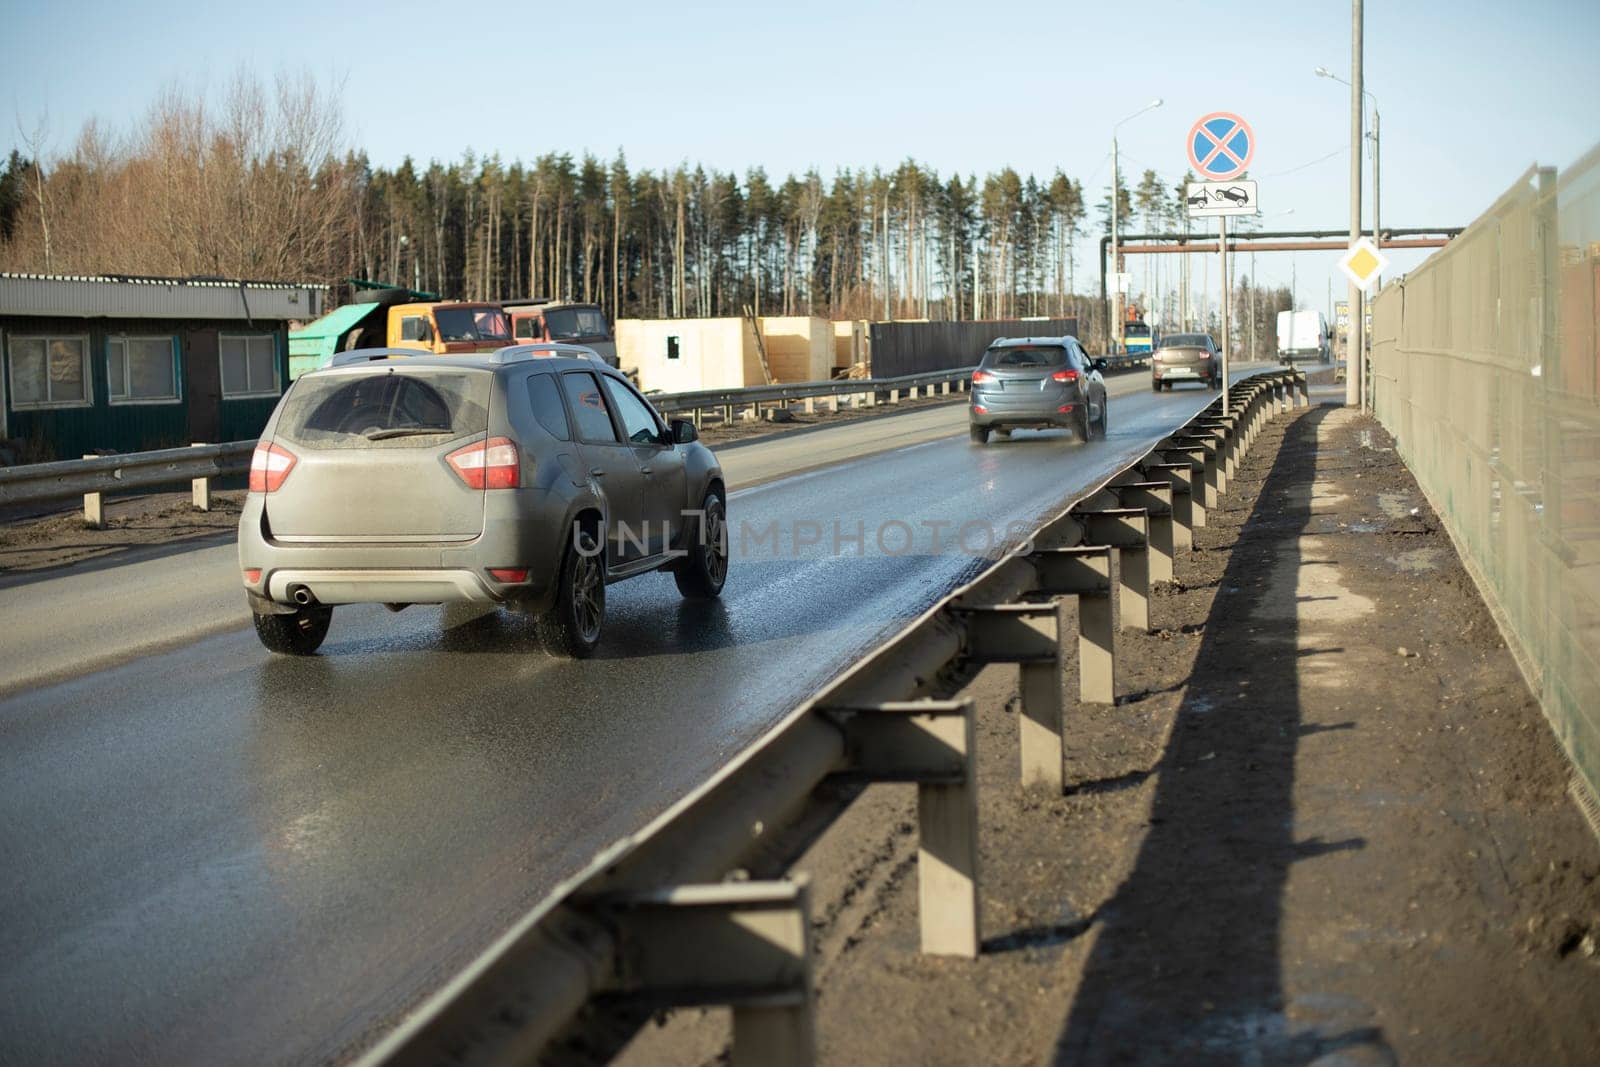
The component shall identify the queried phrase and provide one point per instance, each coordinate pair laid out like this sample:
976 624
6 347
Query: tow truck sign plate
1209 199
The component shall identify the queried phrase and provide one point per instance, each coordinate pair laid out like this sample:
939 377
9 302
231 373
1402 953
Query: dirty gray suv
529 478
1038 382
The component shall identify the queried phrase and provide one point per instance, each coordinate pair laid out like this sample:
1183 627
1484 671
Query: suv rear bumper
516 534
383 587
1024 417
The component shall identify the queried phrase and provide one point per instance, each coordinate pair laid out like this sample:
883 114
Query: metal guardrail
94 475
695 909
864 391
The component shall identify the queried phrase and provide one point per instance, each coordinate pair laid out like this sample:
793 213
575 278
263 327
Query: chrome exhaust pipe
301 595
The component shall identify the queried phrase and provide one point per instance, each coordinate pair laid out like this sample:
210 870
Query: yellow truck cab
386 316
449 328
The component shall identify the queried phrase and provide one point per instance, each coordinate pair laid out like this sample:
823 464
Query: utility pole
1356 344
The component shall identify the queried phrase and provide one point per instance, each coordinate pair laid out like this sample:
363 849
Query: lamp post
1374 148
1356 332
416 267
1114 328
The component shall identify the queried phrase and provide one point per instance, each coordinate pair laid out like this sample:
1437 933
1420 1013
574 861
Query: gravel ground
1324 822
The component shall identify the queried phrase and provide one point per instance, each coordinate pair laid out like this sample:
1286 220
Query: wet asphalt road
213 855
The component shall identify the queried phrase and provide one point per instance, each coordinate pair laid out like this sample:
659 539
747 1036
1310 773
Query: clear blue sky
1471 92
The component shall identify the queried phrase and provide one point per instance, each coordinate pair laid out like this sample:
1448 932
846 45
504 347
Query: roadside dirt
1324 822
56 540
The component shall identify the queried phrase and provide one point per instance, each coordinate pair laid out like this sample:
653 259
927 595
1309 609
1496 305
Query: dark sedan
1038 382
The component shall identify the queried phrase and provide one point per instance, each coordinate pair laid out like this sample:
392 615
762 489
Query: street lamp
1377 233
1356 332
1114 331
416 266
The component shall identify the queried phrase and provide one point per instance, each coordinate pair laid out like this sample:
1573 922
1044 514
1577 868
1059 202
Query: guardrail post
1224 430
894 395
746 944
1028 635
833 403
1128 531
811 405
944 388
94 507
1155 499
200 489
1194 459
1085 572
1177 476
727 414
931 743
1211 482
1304 384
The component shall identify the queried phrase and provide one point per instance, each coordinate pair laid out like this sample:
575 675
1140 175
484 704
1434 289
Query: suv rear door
666 483
370 450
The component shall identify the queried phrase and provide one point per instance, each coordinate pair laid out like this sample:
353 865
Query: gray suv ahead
530 477
1038 382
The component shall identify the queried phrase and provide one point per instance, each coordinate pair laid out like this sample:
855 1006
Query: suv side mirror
682 432
1098 364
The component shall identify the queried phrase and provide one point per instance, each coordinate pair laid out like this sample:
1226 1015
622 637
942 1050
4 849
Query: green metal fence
1485 363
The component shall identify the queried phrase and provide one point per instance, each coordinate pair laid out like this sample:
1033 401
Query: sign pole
1222 251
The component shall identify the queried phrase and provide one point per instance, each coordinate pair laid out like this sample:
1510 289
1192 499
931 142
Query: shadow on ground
1186 967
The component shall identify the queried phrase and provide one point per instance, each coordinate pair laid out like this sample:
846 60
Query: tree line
264 186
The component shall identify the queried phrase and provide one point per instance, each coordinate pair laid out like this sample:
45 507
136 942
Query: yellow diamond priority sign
1364 263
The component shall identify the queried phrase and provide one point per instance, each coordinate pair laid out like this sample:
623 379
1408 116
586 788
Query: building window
50 372
142 370
249 365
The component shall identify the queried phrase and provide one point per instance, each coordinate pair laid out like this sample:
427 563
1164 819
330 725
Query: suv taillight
1065 376
270 464
981 376
491 464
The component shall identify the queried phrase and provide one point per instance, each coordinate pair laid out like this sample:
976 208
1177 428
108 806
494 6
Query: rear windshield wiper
405 431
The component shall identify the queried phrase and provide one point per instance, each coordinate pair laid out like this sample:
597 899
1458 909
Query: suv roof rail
515 353
369 355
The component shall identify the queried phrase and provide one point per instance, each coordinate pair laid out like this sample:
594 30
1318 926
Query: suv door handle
598 472
647 470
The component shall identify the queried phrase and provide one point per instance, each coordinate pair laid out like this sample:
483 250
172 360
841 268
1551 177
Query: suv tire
574 622
299 634
979 434
701 574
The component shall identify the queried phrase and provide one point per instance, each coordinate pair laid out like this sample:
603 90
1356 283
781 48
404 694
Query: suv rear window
1025 356
392 410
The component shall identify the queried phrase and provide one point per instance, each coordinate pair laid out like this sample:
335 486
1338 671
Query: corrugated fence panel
1484 363
916 347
